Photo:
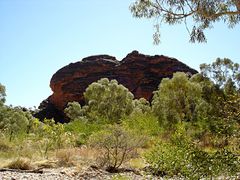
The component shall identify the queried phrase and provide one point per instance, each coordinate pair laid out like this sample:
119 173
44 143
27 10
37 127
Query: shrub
82 130
49 135
146 124
116 146
225 162
141 106
13 122
169 158
179 156
74 111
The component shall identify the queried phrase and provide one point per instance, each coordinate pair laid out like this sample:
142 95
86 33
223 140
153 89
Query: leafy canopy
177 99
220 83
223 72
73 110
13 120
2 94
203 14
108 100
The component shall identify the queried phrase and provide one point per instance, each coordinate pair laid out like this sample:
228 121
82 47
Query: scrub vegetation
191 129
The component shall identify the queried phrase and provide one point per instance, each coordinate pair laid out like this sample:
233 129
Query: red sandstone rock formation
141 74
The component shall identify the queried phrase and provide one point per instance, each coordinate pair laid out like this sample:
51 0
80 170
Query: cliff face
141 74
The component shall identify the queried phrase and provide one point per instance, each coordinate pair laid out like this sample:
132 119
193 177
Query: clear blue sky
37 37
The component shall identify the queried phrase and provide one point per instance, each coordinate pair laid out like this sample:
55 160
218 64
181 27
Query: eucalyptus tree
224 73
2 94
220 83
106 99
177 99
13 121
201 14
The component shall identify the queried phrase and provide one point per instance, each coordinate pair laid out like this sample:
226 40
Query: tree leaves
202 13
108 100
177 99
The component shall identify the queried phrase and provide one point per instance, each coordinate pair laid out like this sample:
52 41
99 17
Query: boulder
140 73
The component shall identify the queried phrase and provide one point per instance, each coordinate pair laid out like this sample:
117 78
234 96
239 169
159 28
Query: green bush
49 135
83 129
13 121
146 124
141 106
74 111
188 161
225 162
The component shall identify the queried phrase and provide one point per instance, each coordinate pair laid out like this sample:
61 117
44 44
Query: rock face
141 74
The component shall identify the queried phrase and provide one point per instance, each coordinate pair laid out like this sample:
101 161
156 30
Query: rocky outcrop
140 73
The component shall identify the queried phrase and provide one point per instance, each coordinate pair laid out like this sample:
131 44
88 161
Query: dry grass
4 162
20 163
78 157
86 155
4 146
65 157
83 156
45 163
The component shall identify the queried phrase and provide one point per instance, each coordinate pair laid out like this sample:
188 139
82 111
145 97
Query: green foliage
223 128
108 100
49 135
226 162
2 94
230 110
185 113
224 73
141 106
203 13
220 86
13 121
177 99
16 147
166 159
146 124
170 158
74 111
83 129
182 158
210 92
116 146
